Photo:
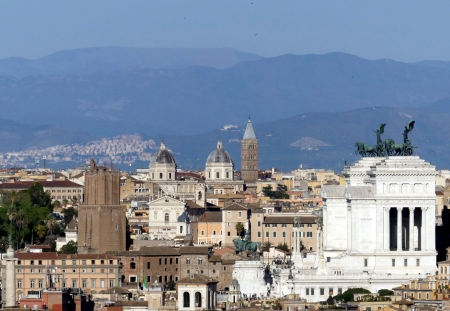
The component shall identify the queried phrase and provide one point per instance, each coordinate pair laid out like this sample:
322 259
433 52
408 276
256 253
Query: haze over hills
105 59
197 99
321 140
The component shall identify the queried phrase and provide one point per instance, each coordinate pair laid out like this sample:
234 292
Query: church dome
219 155
163 156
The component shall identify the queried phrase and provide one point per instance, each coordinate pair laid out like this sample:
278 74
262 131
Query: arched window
166 217
199 195
198 300
181 229
228 175
186 300
132 265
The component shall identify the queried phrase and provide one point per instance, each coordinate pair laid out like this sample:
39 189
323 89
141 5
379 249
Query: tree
39 198
268 191
348 294
281 192
56 204
70 248
74 200
385 292
69 213
283 247
41 231
21 220
240 229
65 202
171 285
330 301
3 243
50 222
266 246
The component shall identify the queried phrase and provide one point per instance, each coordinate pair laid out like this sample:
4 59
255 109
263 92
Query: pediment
166 200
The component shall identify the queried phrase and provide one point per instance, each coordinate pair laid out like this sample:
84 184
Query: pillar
349 228
399 228
10 282
411 228
423 229
386 234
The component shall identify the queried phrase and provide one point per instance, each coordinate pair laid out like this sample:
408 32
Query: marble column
423 229
411 228
9 285
386 235
399 228
349 228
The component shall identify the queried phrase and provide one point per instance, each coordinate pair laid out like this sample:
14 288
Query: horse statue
246 244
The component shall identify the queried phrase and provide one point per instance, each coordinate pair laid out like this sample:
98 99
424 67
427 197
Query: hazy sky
402 30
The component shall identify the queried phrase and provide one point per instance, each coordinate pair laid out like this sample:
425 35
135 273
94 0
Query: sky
403 30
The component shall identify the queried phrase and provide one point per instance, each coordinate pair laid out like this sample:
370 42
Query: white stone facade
378 230
250 275
167 219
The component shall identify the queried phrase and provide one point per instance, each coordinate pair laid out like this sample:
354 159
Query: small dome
163 156
219 155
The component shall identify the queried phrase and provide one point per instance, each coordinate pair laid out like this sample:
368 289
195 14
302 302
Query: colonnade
399 234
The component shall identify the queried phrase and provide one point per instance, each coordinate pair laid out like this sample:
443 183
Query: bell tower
249 155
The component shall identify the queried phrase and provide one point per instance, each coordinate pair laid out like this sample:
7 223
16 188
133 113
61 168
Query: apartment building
278 229
231 215
208 229
91 273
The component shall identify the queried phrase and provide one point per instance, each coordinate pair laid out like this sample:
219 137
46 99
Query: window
160 175
309 234
19 283
259 224
330 291
217 174
165 261
111 262
283 226
188 261
239 214
284 234
176 261
274 225
203 232
148 265
166 217
214 232
92 262
83 262
160 261
405 262
228 174
19 270
39 262
309 225
259 234
417 262
111 283
365 262
74 262
322 291
181 229
170 175
74 283
214 271
267 234
428 296
200 261
83 283
93 270
307 291
228 233
102 283
312 291
63 262
393 262
274 234
31 262
228 214
31 283
267 225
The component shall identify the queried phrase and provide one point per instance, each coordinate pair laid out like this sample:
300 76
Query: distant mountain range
321 140
197 99
307 109
106 59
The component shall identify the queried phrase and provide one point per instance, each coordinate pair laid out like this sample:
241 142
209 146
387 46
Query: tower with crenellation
101 219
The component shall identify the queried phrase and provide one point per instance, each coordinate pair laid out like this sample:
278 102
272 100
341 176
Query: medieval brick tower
249 155
101 219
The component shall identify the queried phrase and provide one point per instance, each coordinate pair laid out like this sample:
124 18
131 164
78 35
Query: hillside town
120 149
372 237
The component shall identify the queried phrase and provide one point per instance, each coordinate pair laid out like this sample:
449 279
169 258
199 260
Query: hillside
197 99
105 59
323 140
